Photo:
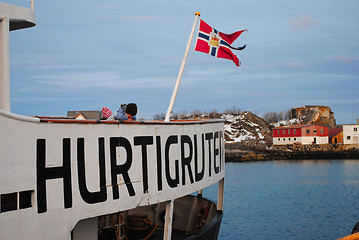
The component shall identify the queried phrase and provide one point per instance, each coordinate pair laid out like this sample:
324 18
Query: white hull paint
151 163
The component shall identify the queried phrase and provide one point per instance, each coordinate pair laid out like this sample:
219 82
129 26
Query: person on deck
126 112
105 113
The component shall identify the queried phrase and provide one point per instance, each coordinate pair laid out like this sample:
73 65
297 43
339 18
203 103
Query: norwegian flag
217 44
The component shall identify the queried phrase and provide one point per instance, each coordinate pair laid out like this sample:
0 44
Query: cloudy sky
86 54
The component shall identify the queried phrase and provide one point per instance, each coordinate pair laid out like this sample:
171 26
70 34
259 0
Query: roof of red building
334 131
297 126
292 126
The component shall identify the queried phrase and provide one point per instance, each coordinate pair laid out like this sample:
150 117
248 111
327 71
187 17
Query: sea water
306 199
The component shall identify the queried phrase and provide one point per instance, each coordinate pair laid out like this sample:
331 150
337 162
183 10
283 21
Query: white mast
169 111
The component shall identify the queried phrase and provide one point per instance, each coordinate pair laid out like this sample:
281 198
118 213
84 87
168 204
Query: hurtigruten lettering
199 156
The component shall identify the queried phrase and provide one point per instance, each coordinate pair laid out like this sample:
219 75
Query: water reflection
302 199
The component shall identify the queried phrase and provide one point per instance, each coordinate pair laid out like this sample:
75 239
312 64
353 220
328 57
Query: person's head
131 109
105 113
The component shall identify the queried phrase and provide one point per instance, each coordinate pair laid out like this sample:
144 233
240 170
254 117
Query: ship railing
19 117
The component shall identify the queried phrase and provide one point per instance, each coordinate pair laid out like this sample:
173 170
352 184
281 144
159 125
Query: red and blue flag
216 43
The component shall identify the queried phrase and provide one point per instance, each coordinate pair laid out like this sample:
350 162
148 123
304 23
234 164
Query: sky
86 54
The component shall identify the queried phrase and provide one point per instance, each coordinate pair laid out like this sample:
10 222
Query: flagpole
175 90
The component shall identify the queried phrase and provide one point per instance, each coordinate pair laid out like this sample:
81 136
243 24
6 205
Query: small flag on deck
216 43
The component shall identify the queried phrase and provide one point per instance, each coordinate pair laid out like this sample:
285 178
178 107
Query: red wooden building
303 134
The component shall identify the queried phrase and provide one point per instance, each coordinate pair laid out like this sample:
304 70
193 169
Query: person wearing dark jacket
126 112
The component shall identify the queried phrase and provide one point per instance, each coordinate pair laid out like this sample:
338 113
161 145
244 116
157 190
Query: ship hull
57 172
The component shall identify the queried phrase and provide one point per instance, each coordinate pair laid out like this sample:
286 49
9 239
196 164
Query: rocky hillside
321 115
249 138
243 130
246 130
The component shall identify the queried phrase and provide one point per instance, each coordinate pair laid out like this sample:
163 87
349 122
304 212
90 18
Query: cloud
302 23
101 79
340 59
346 59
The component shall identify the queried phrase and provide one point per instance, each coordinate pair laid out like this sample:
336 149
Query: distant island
248 137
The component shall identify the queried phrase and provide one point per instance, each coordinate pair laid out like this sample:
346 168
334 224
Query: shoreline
293 152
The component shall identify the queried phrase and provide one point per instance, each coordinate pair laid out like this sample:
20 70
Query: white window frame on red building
307 134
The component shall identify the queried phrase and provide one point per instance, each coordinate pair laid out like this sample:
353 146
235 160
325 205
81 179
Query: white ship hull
76 170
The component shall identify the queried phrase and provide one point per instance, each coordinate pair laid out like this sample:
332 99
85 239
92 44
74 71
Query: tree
213 113
159 116
273 117
196 113
234 110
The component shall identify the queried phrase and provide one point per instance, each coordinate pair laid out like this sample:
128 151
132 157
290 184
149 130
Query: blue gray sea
294 199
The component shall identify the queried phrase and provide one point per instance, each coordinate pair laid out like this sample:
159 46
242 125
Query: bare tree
234 110
213 114
287 114
196 113
159 116
273 117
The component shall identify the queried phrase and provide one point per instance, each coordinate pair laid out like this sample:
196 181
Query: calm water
309 199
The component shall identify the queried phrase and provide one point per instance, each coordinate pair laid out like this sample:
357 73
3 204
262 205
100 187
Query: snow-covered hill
246 127
246 130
